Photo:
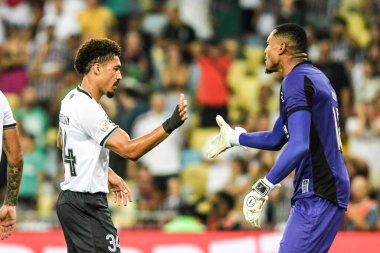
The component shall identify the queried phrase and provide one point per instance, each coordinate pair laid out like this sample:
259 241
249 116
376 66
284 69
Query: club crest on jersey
104 125
305 185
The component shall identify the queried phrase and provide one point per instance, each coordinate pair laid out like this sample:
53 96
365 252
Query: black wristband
173 122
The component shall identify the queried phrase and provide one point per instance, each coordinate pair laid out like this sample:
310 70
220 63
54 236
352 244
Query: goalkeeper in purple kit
308 123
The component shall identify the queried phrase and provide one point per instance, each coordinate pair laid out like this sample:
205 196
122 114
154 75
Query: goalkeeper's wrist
263 187
235 135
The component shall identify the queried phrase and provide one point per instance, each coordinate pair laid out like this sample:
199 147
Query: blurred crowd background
212 51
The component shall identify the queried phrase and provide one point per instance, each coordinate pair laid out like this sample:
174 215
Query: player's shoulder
79 97
301 73
3 98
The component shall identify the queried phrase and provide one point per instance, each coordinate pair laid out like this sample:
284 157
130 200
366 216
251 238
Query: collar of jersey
81 89
302 62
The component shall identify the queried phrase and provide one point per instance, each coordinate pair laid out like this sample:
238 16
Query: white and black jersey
7 121
85 128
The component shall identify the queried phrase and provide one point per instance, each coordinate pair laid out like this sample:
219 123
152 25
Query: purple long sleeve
268 140
299 130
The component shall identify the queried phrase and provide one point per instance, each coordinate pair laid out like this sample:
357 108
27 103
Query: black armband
173 122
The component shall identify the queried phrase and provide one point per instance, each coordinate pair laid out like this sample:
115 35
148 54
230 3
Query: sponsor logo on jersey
305 185
64 119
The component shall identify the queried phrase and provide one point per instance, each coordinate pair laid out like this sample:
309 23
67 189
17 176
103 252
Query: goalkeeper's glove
227 138
255 200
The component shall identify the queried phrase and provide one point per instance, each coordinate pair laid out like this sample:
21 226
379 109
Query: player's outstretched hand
178 117
255 200
7 221
226 138
120 190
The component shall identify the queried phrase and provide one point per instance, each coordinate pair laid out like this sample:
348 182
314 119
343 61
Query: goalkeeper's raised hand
255 200
227 138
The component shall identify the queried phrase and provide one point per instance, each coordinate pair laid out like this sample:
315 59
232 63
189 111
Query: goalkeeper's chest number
68 157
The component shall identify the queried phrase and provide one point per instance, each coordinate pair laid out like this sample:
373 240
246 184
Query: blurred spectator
239 180
135 61
176 29
16 12
341 44
174 75
34 163
48 60
175 72
154 21
133 23
226 18
363 131
196 13
123 10
260 164
63 14
361 212
96 21
366 82
336 72
172 200
146 193
212 92
278 206
32 117
250 13
292 11
313 51
356 166
164 161
14 58
222 216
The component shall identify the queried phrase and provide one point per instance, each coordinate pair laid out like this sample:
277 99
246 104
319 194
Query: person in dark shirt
336 72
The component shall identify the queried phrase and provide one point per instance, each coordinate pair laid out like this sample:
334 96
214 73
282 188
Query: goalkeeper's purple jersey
322 170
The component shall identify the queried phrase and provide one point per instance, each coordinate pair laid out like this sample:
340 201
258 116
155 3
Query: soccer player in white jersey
10 143
85 137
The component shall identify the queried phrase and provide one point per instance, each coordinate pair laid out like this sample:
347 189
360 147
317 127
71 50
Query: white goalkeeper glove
255 200
227 138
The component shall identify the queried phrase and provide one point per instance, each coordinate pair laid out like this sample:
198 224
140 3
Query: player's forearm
135 148
287 161
268 140
261 140
12 149
14 174
298 146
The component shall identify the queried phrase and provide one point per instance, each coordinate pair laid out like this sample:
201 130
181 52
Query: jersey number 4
68 157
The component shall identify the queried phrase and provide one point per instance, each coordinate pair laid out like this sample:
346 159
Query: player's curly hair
95 51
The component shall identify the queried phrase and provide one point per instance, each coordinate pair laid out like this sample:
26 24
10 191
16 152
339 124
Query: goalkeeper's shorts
312 226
